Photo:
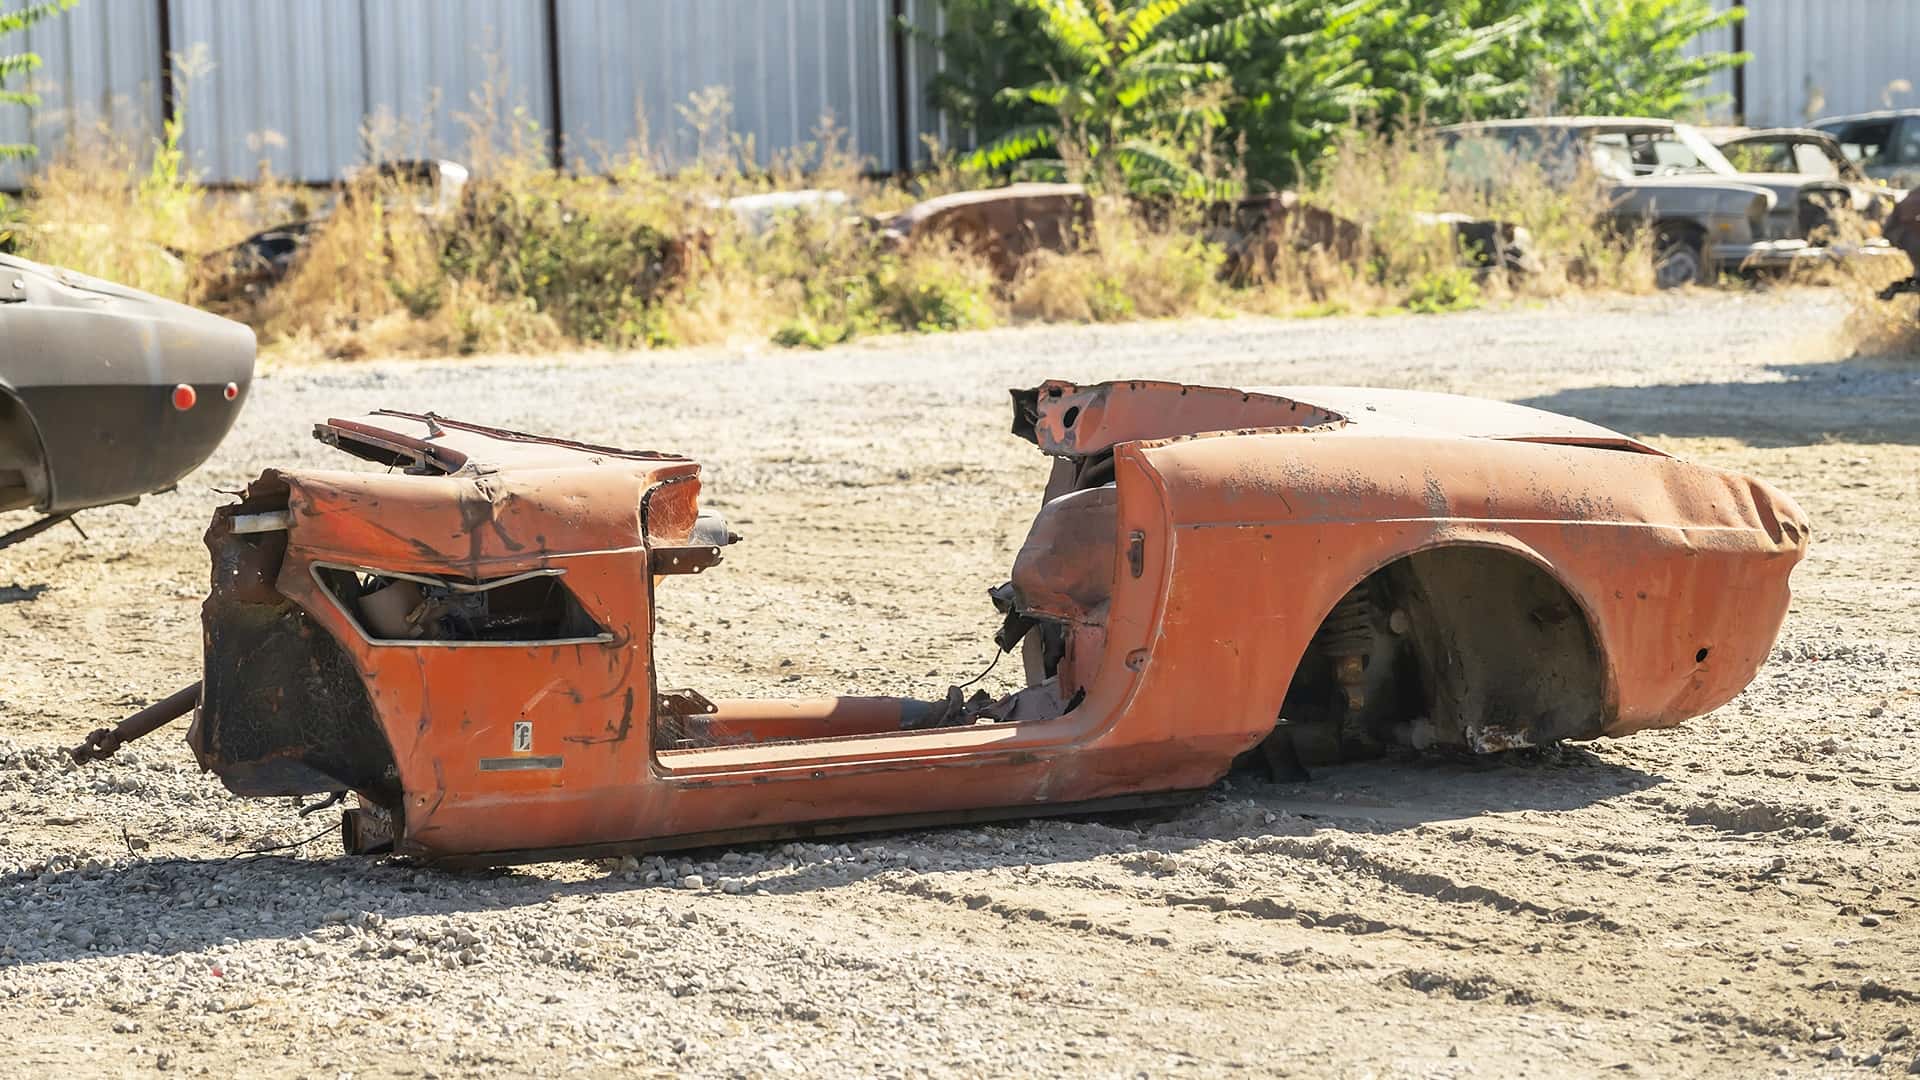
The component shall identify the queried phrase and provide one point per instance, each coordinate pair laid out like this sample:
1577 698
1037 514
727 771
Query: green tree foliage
1136 87
1161 86
1445 62
1628 58
1299 78
987 45
14 66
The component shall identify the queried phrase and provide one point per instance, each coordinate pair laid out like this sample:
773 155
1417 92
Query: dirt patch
1753 817
1716 900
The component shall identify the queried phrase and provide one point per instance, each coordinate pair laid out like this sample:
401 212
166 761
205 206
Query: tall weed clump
1398 187
374 279
629 254
1134 265
1883 329
116 210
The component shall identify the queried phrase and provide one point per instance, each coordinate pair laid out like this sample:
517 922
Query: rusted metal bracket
366 830
683 703
102 743
690 559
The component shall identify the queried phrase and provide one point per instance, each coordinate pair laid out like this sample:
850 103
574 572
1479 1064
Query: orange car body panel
1241 520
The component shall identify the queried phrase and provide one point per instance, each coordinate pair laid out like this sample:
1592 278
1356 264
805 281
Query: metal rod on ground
102 743
28 532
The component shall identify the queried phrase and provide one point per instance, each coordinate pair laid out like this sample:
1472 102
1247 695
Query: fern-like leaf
1021 142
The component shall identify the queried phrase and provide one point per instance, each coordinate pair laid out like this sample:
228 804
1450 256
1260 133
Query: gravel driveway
1738 897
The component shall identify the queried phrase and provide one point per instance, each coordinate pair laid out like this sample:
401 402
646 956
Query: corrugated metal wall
1815 58
1721 87
281 87
431 61
1818 58
100 65
295 87
291 84
302 87
786 64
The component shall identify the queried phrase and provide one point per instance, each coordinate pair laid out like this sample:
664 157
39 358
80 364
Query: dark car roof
1877 114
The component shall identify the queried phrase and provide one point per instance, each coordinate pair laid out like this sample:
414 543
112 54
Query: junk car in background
1805 152
1707 215
1885 144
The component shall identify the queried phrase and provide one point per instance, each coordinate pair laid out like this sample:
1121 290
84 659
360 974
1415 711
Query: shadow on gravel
21 594
75 914
1377 796
1852 401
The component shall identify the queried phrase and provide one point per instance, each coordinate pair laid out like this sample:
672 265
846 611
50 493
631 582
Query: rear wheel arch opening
1466 646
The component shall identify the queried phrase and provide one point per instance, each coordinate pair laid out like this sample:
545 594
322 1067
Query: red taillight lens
184 397
232 391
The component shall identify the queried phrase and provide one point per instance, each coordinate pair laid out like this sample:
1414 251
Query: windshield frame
1710 156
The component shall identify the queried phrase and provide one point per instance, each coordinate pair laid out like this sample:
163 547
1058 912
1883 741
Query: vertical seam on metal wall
853 70
169 108
793 71
763 148
940 65
366 79
894 44
556 123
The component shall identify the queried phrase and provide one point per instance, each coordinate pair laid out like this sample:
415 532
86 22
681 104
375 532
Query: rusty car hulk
463 637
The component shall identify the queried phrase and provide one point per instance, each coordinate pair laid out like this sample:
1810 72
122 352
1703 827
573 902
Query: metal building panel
924 61
783 65
1720 85
283 87
1817 58
436 67
100 66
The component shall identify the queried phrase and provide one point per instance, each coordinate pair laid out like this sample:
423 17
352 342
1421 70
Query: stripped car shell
465 639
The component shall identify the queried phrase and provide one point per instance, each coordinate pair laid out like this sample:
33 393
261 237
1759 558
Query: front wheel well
1463 646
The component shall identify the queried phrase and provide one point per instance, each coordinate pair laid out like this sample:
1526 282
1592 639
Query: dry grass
1887 329
1131 268
1393 186
626 254
1882 329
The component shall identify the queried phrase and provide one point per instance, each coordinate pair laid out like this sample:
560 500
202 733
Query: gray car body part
1884 144
90 377
1789 149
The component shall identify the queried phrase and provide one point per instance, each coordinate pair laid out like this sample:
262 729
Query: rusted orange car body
464 640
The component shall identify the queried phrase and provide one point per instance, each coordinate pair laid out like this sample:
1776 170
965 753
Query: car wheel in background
1678 259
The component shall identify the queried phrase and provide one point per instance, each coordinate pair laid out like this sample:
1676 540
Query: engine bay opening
401 608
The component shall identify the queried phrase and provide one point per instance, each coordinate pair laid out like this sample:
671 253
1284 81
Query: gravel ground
1739 897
